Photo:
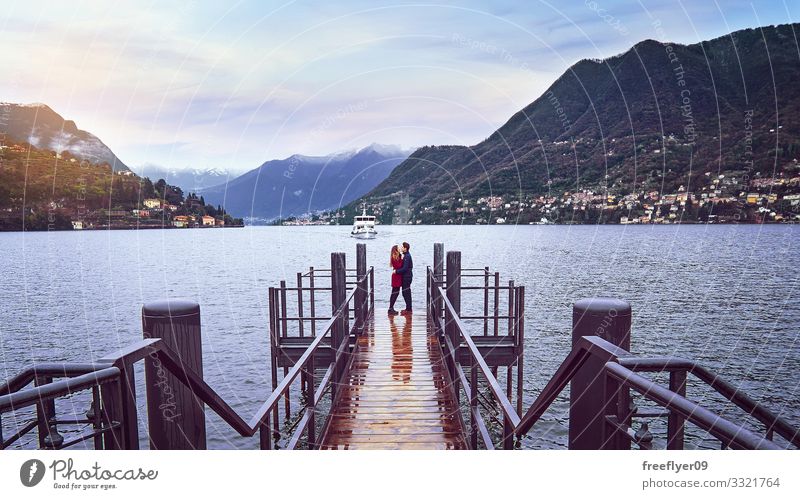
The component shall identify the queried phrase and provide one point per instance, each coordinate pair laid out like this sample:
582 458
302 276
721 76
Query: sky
229 85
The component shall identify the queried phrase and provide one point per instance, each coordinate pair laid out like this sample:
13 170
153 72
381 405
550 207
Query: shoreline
168 227
144 227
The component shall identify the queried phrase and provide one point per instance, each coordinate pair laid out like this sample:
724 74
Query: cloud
233 85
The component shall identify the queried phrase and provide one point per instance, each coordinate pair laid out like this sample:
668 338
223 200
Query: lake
725 295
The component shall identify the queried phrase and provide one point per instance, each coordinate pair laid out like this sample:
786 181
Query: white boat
364 226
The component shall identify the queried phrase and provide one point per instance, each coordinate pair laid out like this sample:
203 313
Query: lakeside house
208 221
181 221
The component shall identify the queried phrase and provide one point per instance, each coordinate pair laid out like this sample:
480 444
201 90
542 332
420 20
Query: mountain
655 118
43 128
190 180
305 184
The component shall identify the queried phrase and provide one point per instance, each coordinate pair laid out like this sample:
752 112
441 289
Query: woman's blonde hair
395 254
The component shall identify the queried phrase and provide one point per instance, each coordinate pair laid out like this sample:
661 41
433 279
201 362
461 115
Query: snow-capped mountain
305 184
189 179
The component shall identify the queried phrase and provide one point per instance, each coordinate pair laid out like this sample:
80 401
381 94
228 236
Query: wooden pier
396 395
345 375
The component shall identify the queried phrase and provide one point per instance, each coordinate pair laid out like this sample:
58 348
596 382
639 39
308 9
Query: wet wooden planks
397 395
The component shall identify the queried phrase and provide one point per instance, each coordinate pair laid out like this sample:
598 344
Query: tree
147 189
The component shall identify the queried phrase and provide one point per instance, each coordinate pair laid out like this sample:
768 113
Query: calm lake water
724 295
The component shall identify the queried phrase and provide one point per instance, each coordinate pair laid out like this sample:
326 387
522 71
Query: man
407 271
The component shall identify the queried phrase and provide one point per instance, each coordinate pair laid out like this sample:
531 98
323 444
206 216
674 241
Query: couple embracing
402 274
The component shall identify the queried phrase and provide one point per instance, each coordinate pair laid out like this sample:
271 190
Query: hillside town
158 213
47 190
716 199
171 210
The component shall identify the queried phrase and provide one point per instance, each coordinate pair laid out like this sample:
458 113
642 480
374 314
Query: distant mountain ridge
43 128
188 179
306 184
657 116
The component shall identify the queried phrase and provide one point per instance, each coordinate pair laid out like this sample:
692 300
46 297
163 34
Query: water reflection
402 350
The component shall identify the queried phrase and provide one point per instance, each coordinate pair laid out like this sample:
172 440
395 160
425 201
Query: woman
396 261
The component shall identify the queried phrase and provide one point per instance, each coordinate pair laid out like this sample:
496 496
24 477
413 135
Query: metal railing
451 329
79 377
618 370
113 412
292 308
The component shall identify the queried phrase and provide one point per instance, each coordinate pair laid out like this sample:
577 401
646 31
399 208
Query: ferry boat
364 226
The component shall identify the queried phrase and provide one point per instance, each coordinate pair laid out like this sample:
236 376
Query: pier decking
396 396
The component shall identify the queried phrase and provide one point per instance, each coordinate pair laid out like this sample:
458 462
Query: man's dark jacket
407 270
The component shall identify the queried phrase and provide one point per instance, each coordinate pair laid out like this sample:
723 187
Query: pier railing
79 377
463 351
294 312
600 372
171 368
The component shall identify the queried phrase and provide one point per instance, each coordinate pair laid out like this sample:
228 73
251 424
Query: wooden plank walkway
397 395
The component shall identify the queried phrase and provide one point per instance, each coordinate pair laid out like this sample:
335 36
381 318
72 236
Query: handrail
49 391
620 365
494 386
724 388
586 347
731 434
60 370
510 417
207 394
92 375
287 380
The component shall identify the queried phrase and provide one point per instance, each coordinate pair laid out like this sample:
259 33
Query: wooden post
127 387
94 415
511 317
473 403
284 314
284 333
300 321
496 303
310 402
265 436
677 384
609 319
111 412
520 318
428 294
176 418
361 287
509 382
338 333
117 404
486 301
511 309
453 288
372 288
311 301
438 273
300 302
274 337
49 438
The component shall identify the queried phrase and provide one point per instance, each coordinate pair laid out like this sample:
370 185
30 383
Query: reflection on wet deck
397 396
